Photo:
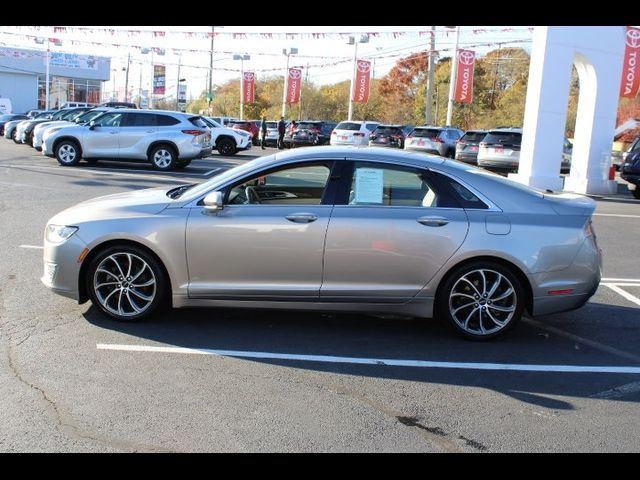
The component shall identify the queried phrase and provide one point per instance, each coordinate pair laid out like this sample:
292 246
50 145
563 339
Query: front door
394 230
102 139
267 242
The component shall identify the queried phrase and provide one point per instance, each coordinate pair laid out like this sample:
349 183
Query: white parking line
37 247
624 293
211 171
616 280
373 361
615 215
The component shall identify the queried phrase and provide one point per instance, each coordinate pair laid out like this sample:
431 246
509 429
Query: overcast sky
327 52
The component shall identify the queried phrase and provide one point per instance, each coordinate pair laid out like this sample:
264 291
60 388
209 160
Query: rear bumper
631 177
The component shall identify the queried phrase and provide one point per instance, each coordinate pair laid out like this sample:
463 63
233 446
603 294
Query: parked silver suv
165 139
500 149
437 140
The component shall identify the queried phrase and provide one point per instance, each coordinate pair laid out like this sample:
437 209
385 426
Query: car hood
55 123
128 204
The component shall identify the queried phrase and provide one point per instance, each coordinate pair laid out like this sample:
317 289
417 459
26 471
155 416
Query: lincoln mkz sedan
333 228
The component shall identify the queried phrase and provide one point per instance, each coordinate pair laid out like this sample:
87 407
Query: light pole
452 81
288 53
114 91
428 110
178 83
40 41
352 41
126 79
242 58
210 95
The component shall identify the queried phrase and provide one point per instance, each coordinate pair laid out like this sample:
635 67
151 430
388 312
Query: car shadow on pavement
392 338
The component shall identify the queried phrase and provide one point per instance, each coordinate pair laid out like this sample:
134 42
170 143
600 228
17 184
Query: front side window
376 184
291 185
109 120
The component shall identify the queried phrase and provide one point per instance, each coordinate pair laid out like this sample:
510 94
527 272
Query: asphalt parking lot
252 380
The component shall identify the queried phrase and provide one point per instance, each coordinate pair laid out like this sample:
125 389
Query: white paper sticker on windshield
369 185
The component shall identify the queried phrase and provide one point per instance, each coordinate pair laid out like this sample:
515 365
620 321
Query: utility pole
126 79
210 96
178 83
428 118
452 82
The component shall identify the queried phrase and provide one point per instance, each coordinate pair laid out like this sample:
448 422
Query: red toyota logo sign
633 38
364 66
248 76
467 57
295 74
361 87
293 85
464 79
630 76
249 87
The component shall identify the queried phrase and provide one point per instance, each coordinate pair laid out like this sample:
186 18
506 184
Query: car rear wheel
68 153
126 283
481 300
163 157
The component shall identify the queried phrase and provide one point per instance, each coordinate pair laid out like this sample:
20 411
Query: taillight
333 133
396 136
438 140
194 132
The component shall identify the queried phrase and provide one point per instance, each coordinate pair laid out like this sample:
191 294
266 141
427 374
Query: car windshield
272 124
387 130
308 125
511 138
5 118
473 137
348 126
224 176
88 116
425 133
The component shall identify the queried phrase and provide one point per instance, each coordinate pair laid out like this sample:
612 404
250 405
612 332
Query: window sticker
369 185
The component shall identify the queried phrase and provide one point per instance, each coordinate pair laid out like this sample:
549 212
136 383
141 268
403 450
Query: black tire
13 136
68 153
184 164
636 192
472 305
163 157
226 147
122 300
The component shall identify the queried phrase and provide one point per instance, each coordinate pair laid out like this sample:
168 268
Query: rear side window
197 122
465 197
139 120
425 133
166 120
507 138
348 126
473 137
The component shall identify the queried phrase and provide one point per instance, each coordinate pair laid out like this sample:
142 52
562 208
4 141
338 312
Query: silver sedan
333 228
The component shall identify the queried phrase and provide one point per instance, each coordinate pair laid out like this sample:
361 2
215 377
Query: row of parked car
166 139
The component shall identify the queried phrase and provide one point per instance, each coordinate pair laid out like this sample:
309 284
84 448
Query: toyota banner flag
294 84
249 87
464 79
159 79
362 85
630 76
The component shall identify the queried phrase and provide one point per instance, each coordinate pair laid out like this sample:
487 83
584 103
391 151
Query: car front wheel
68 153
126 283
226 147
482 300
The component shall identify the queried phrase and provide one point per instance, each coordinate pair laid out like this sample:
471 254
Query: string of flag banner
261 35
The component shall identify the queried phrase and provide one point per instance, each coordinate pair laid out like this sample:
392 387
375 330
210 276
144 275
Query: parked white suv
228 141
165 139
352 133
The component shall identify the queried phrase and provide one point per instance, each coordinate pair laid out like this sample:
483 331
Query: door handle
433 221
149 131
302 217
113 132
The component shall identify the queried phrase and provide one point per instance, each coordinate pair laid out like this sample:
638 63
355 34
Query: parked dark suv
630 168
310 133
467 146
389 135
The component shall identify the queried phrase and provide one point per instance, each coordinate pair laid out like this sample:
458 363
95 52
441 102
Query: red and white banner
293 85
464 79
249 87
362 83
630 75
159 79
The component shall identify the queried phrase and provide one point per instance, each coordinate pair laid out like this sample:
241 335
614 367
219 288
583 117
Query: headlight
59 233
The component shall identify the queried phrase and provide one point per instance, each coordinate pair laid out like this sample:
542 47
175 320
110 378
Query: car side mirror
92 125
213 203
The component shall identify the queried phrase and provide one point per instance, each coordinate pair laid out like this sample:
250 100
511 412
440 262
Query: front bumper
61 266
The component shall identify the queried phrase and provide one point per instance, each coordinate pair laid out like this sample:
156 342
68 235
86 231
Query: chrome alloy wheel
162 158
67 153
482 302
124 284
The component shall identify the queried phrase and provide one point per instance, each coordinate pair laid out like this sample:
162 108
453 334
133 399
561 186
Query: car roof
506 129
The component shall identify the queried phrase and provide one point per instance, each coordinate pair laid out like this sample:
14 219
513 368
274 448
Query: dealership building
72 78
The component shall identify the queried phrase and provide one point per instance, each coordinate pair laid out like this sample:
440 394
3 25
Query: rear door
391 230
136 133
